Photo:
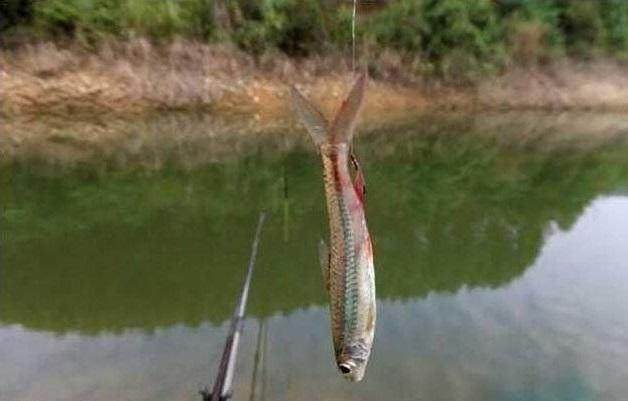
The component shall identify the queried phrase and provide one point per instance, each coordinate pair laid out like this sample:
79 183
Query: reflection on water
502 275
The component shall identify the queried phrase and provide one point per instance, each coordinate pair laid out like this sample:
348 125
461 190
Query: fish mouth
348 369
352 360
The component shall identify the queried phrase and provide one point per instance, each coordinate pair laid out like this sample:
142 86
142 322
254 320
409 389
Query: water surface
501 262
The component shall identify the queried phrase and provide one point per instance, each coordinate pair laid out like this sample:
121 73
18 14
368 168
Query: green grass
458 39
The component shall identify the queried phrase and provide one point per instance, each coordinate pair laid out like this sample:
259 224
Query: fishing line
259 356
354 17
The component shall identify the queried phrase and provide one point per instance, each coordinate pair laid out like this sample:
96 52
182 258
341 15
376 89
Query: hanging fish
348 264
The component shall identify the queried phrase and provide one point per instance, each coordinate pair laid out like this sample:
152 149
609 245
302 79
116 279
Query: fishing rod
224 379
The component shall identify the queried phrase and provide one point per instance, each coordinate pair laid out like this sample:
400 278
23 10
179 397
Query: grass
138 76
455 40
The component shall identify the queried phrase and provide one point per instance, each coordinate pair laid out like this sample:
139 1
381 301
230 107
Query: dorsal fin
310 116
346 117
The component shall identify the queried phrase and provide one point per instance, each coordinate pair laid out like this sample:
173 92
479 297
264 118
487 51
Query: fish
347 264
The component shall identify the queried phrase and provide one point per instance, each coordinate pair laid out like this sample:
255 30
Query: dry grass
68 106
599 85
119 77
136 77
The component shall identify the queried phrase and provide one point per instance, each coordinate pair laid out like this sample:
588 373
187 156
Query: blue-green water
501 263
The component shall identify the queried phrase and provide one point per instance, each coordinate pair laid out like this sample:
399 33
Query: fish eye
344 368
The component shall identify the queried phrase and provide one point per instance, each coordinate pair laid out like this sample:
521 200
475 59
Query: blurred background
141 138
486 53
445 37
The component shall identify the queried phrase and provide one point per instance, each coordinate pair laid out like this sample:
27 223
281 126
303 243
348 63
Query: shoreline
187 140
130 105
135 78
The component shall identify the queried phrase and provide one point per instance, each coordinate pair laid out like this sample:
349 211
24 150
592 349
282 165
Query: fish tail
344 123
311 117
342 126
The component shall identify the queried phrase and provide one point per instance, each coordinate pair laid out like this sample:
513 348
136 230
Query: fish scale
348 263
343 266
350 277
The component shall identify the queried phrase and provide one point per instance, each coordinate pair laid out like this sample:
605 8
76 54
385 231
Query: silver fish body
348 263
351 274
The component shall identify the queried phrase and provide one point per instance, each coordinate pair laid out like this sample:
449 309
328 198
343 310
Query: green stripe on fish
350 274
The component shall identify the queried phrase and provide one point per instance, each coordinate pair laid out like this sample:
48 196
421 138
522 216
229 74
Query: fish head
352 361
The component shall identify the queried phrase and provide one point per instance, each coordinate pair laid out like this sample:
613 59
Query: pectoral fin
358 181
323 257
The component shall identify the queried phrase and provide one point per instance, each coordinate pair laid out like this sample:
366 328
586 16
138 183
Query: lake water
501 255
